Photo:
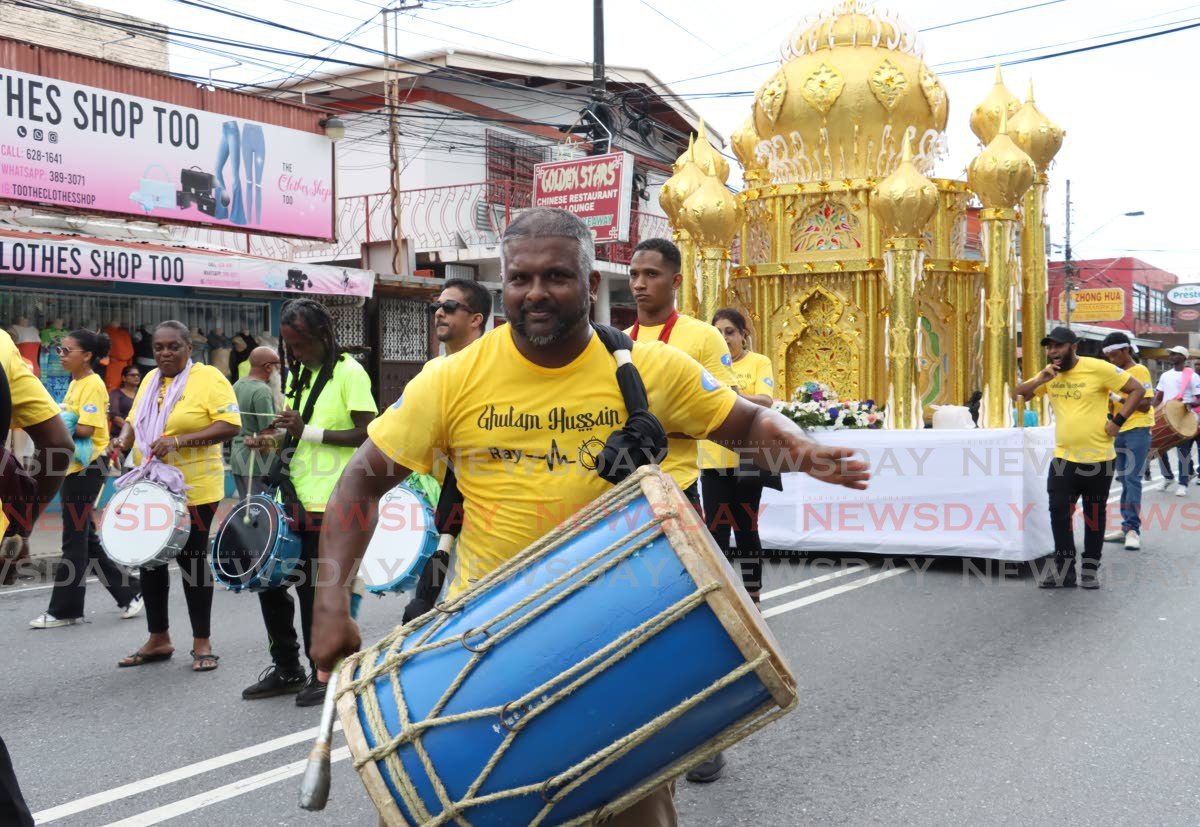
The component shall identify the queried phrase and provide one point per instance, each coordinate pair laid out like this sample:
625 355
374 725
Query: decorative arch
814 346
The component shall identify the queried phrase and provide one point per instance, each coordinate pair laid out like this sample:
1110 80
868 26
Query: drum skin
258 555
690 655
144 525
402 543
1174 424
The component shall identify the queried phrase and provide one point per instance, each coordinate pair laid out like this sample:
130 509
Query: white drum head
402 531
139 522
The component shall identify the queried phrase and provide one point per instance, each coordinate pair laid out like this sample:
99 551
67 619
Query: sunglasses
449 305
63 350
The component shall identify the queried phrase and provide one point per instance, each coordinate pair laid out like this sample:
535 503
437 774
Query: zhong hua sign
96 150
597 189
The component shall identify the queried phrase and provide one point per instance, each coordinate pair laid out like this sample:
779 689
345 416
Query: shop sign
94 150
69 258
598 189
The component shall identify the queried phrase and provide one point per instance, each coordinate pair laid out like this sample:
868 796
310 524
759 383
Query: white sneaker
1181 491
1114 536
49 621
133 609
1167 483
1132 541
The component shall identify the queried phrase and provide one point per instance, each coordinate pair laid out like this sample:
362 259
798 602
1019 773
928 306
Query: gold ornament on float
905 200
935 95
705 156
985 118
770 97
1002 172
1037 136
712 214
888 83
744 142
822 88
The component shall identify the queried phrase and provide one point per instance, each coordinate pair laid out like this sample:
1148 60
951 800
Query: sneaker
1167 483
49 621
133 609
1058 573
273 682
1181 491
1114 536
709 771
1089 578
1133 541
313 693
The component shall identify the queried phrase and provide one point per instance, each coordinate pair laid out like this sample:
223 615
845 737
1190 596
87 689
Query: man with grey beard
256 394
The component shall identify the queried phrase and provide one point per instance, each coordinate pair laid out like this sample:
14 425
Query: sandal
138 658
204 663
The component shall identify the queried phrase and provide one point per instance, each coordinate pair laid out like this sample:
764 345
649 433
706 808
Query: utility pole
598 88
391 101
1068 265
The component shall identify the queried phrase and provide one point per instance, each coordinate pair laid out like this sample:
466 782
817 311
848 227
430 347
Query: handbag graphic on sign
154 193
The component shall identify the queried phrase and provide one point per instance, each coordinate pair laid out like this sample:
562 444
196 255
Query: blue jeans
230 150
1132 447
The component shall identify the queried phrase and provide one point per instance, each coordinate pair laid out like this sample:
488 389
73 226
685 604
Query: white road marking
228 791
137 787
804 584
834 592
5 592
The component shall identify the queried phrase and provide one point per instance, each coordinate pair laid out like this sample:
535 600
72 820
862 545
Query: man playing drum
1133 442
1181 383
522 415
330 404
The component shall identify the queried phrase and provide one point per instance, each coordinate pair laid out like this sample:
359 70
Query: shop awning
70 256
1097 333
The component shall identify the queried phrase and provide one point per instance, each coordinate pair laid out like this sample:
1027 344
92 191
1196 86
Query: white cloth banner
976 493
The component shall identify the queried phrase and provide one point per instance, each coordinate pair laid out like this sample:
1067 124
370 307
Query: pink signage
91 149
71 257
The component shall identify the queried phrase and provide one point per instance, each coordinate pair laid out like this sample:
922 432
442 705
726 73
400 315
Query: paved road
931 694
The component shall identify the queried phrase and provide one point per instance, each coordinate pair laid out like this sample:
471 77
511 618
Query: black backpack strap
280 475
642 441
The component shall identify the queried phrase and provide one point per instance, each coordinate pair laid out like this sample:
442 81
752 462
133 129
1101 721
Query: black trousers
429 586
81 549
279 609
1069 482
731 503
197 579
13 810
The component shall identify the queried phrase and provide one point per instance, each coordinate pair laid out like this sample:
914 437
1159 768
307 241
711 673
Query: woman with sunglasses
182 413
120 400
85 410
731 489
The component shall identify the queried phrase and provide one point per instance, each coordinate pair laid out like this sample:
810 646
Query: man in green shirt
256 402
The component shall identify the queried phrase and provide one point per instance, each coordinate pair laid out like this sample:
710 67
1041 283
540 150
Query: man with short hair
255 393
1181 383
1078 387
1133 442
547 364
461 313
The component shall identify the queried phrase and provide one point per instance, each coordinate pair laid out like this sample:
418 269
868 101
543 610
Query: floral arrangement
816 405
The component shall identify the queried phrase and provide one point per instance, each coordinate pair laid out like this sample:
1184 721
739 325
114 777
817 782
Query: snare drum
606 659
405 538
1174 424
144 525
254 548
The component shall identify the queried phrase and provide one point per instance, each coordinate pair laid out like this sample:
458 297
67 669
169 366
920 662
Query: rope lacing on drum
514 715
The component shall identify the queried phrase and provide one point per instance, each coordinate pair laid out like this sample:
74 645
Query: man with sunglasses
459 317
255 394
460 313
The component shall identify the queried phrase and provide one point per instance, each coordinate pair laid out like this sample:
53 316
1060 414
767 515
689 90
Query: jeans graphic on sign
230 150
254 148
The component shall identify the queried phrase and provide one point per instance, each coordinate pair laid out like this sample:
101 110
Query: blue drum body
676 659
254 548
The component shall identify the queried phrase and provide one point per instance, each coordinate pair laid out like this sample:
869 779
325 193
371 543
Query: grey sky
1127 109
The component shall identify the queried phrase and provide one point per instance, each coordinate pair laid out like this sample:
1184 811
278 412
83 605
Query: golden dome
679 187
1002 172
744 143
1038 136
853 86
985 118
685 157
705 156
905 200
712 215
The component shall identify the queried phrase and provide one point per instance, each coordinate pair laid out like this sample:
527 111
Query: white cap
1180 349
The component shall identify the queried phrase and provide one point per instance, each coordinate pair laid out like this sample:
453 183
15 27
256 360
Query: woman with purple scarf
181 415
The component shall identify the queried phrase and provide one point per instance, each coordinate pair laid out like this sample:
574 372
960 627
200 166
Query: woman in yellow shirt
200 418
731 495
85 410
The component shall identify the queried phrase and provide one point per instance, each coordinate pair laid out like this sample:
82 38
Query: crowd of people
304 427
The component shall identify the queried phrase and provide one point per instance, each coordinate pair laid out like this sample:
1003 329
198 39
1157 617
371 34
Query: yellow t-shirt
753 376
208 398
523 439
87 398
706 345
1138 419
1079 397
32 403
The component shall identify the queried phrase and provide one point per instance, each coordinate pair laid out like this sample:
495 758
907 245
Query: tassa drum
1174 424
254 548
402 543
606 659
144 525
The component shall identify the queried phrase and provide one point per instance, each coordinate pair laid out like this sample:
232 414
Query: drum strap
642 441
280 478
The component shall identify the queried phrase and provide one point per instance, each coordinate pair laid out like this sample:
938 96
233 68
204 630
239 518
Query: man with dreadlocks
329 407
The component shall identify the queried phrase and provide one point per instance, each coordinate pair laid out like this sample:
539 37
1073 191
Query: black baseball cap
1060 335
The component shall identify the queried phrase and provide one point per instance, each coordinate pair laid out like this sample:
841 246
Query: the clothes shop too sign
96 150
597 189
